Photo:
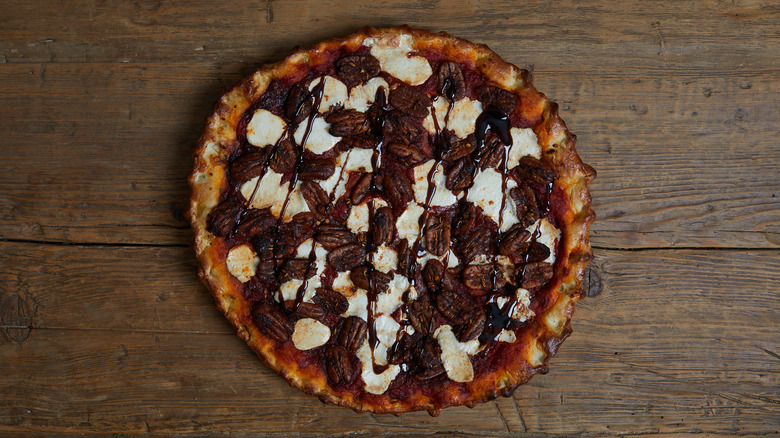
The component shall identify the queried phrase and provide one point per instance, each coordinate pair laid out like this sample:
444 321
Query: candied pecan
410 101
272 322
316 168
223 218
503 100
250 165
487 277
256 222
453 305
347 257
473 327
526 205
513 240
492 156
461 174
404 127
338 365
344 122
361 188
437 234
478 241
407 262
432 274
428 353
534 275
532 169
464 220
430 373
357 141
402 350
316 198
299 103
353 333
285 158
301 227
331 236
450 82
384 226
451 148
331 301
408 154
420 314
357 68
398 188
296 269
536 252
368 278
306 310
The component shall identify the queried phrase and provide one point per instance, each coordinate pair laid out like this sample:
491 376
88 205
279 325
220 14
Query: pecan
370 279
453 305
383 227
407 262
250 165
272 322
420 314
437 234
536 252
478 241
316 198
493 153
450 82
513 240
461 174
223 218
410 101
428 353
398 188
532 169
465 219
357 68
404 127
306 310
361 188
357 141
408 154
430 373
316 168
344 122
331 236
299 103
451 148
297 269
331 301
503 100
526 205
402 350
285 158
534 275
338 365
486 277
432 274
353 333
256 222
347 257
473 327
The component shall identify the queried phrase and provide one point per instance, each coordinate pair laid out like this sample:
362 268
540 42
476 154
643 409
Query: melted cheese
548 236
357 222
358 305
242 262
319 140
442 196
265 128
389 301
454 357
486 193
384 259
362 96
310 333
333 93
440 105
375 383
393 53
463 117
524 143
408 223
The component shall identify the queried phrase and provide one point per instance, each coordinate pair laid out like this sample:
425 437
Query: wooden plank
620 33
673 341
99 152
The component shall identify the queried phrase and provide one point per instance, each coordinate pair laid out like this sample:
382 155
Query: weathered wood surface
674 103
672 341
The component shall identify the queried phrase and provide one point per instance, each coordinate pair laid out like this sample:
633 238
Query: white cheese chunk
449 257
347 161
357 222
358 305
522 310
440 106
296 204
360 160
455 360
393 53
389 301
310 333
362 96
319 140
408 223
384 259
507 336
318 264
486 193
270 192
334 92
463 117
441 196
524 143
375 383
548 236
265 128
289 289
242 262
343 284
386 330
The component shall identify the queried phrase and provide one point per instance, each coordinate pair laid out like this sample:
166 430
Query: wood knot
592 283
16 317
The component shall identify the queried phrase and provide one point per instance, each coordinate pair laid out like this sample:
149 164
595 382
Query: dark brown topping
464 220
486 277
361 189
338 365
461 174
408 154
404 127
299 104
432 274
473 327
355 69
347 257
384 226
357 141
296 269
272 322
430 373
256 222
437 234
477 241
365 277
331 301
331 236
305 310
501 99
353 333
450 82
536 252
451 148
285 157
398 188
513 241
402 350
453 305
410 101
526 205
407 262
346 122
532 169
316 168
493 153
420 313
249 166
534 275
316 198
222 218
428 353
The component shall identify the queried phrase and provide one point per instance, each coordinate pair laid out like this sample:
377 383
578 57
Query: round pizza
393 221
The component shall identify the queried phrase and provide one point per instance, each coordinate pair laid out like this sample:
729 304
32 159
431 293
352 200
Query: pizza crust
539 342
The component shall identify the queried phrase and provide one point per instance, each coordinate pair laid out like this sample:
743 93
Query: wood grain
676 341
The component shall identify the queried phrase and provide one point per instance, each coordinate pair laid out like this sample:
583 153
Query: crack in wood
501 417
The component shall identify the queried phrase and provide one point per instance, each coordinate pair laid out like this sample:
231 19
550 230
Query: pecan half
357 68
501 99
526 205
464 220
299 103
223 218
344 122
347 257
437 234
316 198
493 153
451 148
473 327
408 154
316 168
297 269
428 353
453 305
370 279
487 277
407 262
461 174
306 310
285 158
357 141
338 365
433 274
532 169
331 301
384 226
410 101
534 275
398 188
420 313
353 333
361 188
331 236
513 241
450 82
404 127
250 165
272 322
478 241
536 252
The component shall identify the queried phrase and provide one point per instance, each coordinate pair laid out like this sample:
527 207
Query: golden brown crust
541 339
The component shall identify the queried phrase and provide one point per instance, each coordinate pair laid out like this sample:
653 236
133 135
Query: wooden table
106 329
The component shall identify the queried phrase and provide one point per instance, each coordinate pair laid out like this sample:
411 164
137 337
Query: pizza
393 221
